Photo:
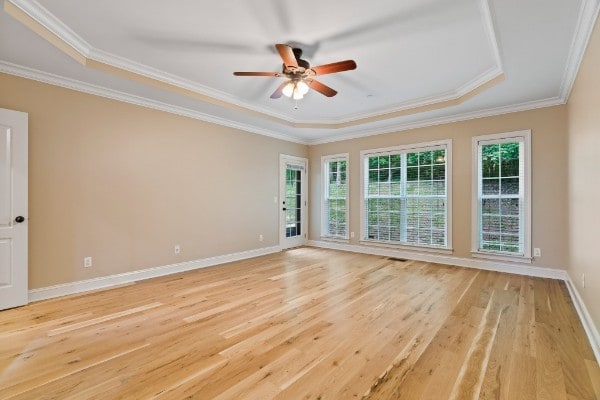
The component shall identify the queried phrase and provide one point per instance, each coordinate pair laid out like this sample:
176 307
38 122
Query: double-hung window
335 206
406 193
501 195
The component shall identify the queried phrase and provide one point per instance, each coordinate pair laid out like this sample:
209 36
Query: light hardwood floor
304 324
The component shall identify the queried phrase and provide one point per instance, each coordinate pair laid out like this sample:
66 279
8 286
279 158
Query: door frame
284 242
15 292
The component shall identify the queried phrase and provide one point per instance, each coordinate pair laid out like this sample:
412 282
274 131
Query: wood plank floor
304 324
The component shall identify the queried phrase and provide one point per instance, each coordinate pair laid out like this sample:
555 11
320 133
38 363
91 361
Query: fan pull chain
296 106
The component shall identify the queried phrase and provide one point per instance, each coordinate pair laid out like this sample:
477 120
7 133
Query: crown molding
458 96
171 79
99 59
583 32
490 112
587 17
73 84
462 91
57 80
45 18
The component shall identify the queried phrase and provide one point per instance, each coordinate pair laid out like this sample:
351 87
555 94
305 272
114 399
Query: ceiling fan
300 75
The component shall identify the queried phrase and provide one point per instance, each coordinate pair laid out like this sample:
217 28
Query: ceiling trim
37 18
448 101
587 18
73 84
57 80
583 32
490 112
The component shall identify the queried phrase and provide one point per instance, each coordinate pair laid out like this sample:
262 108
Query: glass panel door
292 195
293 202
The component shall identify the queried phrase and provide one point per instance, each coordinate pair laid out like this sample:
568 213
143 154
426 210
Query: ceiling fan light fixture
288 89
302 87
298 93
299 74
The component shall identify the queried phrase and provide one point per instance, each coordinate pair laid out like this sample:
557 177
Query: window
406 195
501 197
335 207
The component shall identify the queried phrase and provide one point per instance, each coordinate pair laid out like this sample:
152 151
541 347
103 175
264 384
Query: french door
293 177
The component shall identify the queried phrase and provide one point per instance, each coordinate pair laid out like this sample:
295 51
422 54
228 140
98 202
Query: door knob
284 209
19 219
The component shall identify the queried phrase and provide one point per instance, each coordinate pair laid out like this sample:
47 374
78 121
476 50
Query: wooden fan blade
279 92
321 88
287 55
334 67
256 74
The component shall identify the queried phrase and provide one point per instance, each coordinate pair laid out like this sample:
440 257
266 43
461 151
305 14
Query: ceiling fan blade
321 88
279 91
334 67
256 74
287 55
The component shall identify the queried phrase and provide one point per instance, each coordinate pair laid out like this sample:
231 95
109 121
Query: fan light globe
302 87
288 90
298 94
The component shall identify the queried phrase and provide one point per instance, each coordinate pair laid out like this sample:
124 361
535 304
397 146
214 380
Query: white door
13 209
293 173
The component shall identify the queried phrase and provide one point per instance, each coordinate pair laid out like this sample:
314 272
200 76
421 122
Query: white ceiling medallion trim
57 80
44 17
49 21
490 112
583 31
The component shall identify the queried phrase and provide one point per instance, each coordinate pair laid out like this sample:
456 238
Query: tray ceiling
419 62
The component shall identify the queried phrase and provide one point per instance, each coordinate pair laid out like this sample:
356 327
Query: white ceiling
408 53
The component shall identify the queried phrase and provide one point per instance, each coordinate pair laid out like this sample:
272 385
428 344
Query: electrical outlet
583 280
537 252
351 235
87 262
177 249
260 238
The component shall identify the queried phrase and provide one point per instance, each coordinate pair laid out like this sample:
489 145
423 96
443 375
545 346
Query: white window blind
405 196
335 206
502 194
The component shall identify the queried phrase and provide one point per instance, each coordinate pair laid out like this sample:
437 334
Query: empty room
269 199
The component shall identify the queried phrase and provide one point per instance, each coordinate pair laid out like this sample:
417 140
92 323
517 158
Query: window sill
427 249
334 239
501 257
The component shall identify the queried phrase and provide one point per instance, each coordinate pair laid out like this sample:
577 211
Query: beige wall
584 178
549 178
124 184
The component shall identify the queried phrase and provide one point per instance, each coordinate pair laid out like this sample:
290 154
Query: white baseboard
511 268
129 277
585 317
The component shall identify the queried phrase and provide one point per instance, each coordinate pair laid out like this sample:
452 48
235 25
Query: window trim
324 181
406 148
524 135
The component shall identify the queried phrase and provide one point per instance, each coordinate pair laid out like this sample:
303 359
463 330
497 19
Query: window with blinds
502 190
406 195
335 205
